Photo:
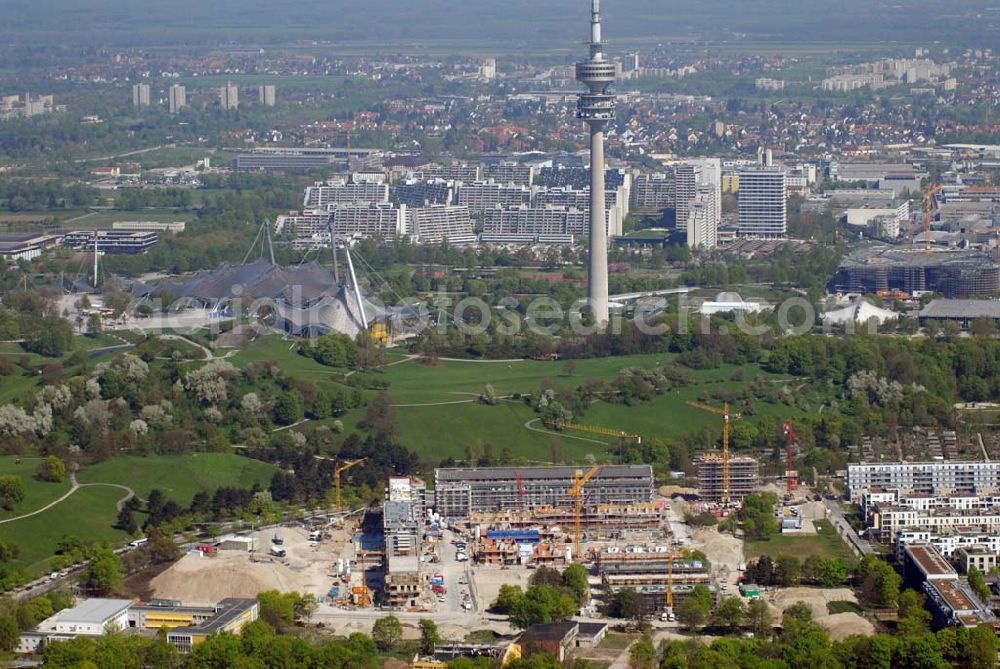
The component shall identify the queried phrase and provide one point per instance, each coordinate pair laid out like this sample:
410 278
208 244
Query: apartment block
325 194
924 478
763 207
440 223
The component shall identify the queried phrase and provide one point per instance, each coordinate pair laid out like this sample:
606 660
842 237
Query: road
857 544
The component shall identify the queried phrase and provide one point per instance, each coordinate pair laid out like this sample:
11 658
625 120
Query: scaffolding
744 477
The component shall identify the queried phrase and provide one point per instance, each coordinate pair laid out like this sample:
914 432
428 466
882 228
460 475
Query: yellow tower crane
726 416
596 429
670 579
336 479
576 492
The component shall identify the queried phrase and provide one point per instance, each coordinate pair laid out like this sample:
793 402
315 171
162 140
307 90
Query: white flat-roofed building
929 478
509 173
91 617
159 226
703 221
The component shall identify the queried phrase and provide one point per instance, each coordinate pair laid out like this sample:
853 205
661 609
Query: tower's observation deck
597 74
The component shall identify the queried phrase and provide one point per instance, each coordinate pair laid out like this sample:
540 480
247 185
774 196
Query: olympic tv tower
596 107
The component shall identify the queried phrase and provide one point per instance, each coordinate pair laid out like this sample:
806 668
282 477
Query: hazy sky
558 22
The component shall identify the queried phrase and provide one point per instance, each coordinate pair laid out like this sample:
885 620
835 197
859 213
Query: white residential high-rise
596 107
763 204
687 176
267 95
140 95
176 98
229 97
488 70
703 221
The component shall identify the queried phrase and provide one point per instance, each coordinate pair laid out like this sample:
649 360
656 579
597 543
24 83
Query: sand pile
206 580
838 625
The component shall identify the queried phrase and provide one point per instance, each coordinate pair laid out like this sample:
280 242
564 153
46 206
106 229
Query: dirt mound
837 625
206 580
842 625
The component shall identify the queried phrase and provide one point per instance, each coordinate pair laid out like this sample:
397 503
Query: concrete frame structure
744 477
461 492
596 107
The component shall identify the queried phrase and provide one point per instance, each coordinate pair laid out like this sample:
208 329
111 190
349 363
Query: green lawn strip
88 514
825 543
179 476
36 493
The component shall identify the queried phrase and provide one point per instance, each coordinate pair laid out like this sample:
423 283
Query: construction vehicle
576 492
337 472
726 416
928 212
278 551
791 482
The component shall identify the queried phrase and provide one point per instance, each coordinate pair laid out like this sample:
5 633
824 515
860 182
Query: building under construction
744 477
604 518
654 572
462 492
951 272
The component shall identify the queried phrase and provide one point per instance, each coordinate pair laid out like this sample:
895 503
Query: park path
73 488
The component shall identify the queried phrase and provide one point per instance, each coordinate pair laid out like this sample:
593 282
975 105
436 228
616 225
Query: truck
277 540
316 535
439 589
278 551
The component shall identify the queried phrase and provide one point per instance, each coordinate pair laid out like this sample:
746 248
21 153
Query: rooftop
961 309
228 610
930 561
89 612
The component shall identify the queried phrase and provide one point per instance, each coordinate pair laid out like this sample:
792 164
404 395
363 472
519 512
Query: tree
831 572
508 596
104 573
978 583
980 649
289 408
692 612
879 582
9 633
387 633
51 469
542 604
913 617
577 580
627 603
789 571
380 419
429 636
11 491
126 521
642 654
759 617
730 612
277 609
94 324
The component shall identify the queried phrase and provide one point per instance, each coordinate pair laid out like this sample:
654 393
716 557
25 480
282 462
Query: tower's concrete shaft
596 107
